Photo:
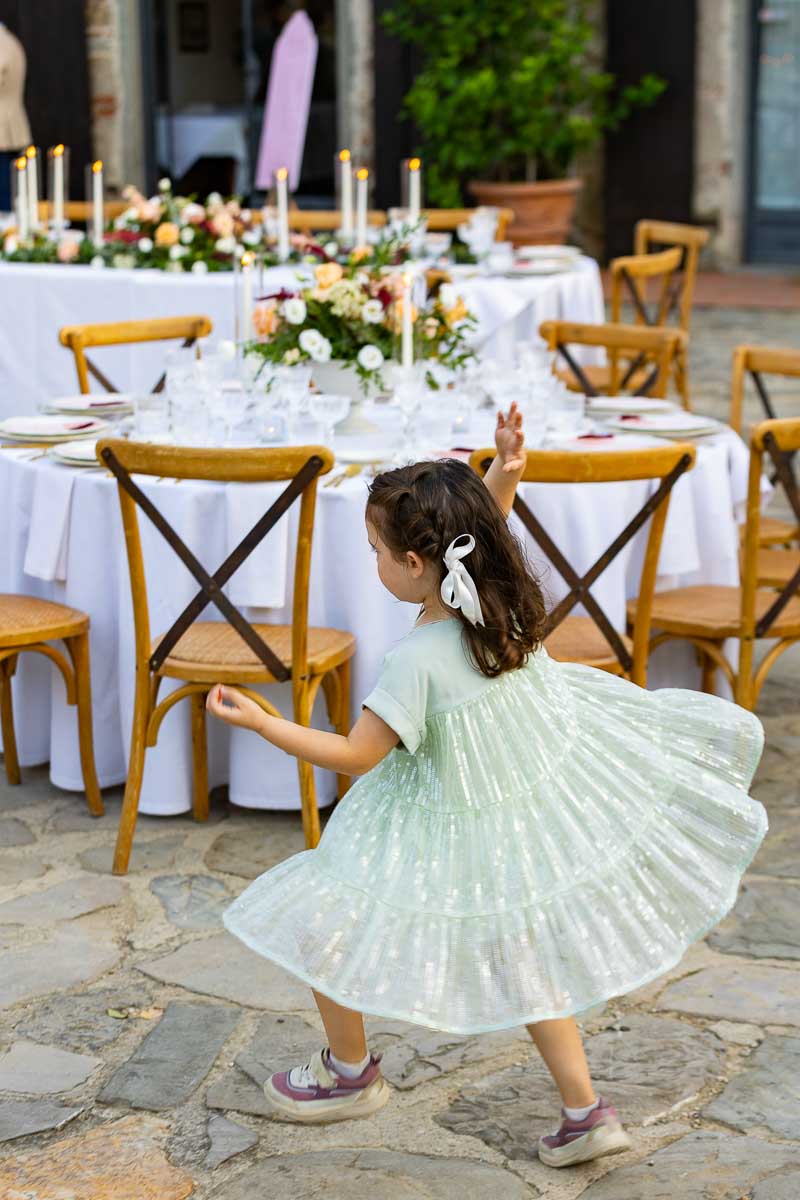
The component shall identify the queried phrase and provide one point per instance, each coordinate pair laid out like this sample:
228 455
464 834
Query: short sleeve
400 697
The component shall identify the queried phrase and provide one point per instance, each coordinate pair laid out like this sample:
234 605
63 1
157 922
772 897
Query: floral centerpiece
352 316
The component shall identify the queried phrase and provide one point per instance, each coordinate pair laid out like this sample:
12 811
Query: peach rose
326 274
167 234
358 254
265 319
222 224
67 250
194 214
149 210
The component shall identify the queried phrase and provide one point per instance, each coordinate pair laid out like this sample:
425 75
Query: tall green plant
507 90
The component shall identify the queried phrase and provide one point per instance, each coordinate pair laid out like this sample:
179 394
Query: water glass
435 426
329 408
190 417
150 417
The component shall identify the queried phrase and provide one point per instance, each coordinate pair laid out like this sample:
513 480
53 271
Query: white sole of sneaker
323 1112
602 1140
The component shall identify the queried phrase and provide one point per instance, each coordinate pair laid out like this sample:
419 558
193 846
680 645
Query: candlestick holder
58 189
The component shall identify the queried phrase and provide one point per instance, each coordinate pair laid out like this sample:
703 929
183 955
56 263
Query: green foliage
507 90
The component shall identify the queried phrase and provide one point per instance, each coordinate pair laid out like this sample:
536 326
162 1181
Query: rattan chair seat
577 639
27 619
773 531
715 612
213 652
600 379
776 567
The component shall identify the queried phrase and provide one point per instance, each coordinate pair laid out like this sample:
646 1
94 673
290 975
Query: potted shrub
506 98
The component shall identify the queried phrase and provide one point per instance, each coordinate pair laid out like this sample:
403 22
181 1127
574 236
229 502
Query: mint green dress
537 843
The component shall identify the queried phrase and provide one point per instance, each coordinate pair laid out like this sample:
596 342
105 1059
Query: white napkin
48 535
261 579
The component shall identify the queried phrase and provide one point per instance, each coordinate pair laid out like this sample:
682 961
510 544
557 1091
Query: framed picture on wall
194 35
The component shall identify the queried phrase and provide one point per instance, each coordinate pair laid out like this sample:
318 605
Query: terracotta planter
543 212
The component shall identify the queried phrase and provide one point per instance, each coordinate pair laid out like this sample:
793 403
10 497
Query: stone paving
135 1034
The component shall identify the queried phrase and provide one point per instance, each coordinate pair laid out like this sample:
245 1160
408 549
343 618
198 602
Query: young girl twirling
526 839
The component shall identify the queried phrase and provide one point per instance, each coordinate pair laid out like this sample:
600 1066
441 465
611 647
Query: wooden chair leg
78 648
7 667
343 720
709 673
743 691
133 783
199 757
305 771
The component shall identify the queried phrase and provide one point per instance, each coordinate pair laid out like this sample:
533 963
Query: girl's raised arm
505 472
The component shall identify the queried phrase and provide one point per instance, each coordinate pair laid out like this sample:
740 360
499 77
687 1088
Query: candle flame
414 164
282 173
247 259
344 156
30 152
407 278
97 166
58 150
21 163
362 173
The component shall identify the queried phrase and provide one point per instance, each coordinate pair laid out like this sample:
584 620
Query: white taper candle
362 196
282 189
346 189
98 221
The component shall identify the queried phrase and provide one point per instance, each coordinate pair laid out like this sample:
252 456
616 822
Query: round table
63 540
37 300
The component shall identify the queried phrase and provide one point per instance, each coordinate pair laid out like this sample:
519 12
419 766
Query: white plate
76 454
93 406
541 266
554 251
628 404
365 454
679 424
50 429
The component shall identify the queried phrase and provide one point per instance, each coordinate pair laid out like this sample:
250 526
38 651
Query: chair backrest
321 220
631 277
298 466
757 361
82 210
119 333
690 238
665 463
444 219
779 440
621 343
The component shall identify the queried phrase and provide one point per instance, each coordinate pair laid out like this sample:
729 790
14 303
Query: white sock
580 1114
348 1070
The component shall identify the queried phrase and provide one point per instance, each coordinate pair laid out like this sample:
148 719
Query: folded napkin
48 534
261 579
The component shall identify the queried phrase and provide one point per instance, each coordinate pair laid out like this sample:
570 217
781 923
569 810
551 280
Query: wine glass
329 408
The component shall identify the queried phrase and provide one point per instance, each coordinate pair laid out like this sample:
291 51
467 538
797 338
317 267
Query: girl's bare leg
345 1030
560 1045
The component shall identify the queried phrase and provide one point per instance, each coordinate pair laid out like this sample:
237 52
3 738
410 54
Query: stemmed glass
409 390
329 409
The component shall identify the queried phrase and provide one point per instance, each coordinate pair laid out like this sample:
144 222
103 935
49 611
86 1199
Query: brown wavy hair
423 507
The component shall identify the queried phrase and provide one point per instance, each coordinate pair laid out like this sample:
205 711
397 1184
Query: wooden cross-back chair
621 343
79 338
593 639
756 362
707 615
28 625
232 651
82 211
690 239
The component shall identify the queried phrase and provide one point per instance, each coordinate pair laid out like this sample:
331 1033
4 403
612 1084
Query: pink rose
194 214
67 250
222 224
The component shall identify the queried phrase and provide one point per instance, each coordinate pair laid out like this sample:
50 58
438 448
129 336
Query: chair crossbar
766 402
669 304
105 382
580 584
575 367
785 475
211 585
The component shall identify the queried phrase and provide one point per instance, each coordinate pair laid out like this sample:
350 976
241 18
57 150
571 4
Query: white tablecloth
62 539
183 137
35 301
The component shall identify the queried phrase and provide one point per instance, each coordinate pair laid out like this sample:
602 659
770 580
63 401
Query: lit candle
414 189
362 190
98 221
407 338
246 310
282 188
57 154
32 175
23 212
346 188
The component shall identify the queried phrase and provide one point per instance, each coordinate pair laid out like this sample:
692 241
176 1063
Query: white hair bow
458 587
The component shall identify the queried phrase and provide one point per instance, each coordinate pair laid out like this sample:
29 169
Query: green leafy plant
508 89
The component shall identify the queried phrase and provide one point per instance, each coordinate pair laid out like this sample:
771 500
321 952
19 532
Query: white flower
226 348
11 245
323 351
123 262
130 214
309 341
199 267
120 222
251 237
187 235
165 185
98 262
177 252
331 249
225 245
448 296
145 245
370 358
295 310
213 200
291 356
173 267
238 249
372 312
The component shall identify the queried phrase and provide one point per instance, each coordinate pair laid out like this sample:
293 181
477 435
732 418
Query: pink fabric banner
291 78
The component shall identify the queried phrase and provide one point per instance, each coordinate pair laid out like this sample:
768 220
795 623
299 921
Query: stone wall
114 52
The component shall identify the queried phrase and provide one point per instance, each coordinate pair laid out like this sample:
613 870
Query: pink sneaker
316 1094
579 1141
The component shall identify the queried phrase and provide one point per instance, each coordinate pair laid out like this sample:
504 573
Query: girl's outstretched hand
509 439
230 705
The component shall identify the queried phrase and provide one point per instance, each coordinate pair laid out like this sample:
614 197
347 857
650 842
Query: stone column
114 52
355 79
